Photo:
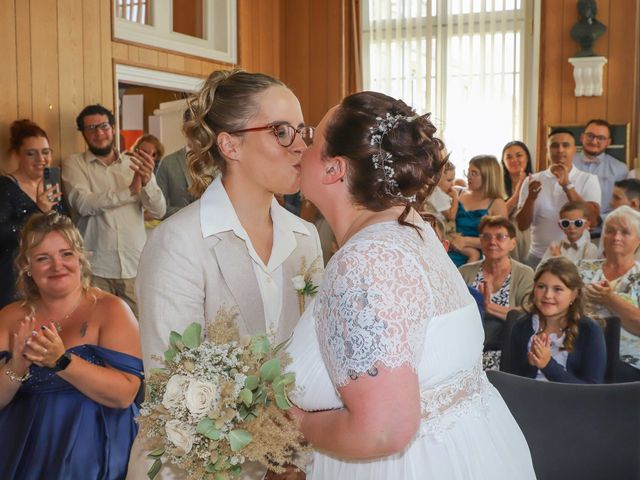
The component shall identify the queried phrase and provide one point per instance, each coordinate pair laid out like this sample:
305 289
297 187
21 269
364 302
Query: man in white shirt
108 191
544 193
593 159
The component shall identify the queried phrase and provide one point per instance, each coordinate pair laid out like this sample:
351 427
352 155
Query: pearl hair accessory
384 160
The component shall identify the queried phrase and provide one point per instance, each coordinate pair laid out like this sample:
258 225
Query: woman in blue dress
70 365
484 196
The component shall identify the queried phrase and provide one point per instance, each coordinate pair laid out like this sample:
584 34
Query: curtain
462 60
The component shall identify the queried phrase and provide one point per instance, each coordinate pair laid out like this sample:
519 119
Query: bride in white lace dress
388 358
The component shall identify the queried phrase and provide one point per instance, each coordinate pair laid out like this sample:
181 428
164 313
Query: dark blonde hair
225 103
568 274
416 152
491 174
153 140
33 233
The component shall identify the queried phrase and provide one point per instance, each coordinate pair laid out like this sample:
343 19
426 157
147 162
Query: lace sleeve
372 310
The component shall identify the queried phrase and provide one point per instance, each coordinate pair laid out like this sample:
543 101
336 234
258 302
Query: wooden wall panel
8 74
23 53
558 105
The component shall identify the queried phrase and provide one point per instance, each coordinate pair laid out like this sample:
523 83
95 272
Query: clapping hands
44 348
142 164
599 292
540 353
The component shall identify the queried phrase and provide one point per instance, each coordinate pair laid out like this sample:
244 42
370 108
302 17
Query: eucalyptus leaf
282 401
180 345
210 468
174 337
156 453
238 439
155 468
170 355
252 382
246 396
207 427
289 378
235 470
278 387
222 463
191 335
260 345
270 370
220 476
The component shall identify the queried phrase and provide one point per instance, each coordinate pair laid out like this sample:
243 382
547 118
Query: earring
28 273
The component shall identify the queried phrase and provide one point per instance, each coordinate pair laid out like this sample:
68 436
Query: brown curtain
352 68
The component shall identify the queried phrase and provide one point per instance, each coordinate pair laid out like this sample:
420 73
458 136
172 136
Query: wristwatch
569 186
63 362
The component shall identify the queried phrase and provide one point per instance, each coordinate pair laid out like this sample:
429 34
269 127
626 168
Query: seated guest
555 341
484 196
504 282
21 195
543 194
70 358
576 244
516 167
594 159
444 199
612 284
151 145
626 192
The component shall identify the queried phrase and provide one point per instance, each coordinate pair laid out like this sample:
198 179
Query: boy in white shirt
444 198
576 244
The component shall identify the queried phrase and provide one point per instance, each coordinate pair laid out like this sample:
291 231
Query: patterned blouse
626 286
501 297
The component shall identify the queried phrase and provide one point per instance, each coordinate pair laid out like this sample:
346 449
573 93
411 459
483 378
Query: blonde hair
491 174
225 103
33 233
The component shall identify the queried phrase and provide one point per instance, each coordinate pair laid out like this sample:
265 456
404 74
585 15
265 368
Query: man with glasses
594 159
108 191
544 193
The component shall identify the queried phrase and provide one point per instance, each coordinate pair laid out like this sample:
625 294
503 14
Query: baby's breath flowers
218 403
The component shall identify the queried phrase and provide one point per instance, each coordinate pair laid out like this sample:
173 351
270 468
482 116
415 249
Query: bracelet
15 378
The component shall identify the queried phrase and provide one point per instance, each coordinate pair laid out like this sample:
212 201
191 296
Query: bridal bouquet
218 403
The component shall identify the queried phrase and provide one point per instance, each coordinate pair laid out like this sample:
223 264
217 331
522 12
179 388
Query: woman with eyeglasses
555 341
235 247
22 194
613 285
484 196
503 282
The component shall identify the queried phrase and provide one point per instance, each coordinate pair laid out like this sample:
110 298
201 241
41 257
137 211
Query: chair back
590 432
612 340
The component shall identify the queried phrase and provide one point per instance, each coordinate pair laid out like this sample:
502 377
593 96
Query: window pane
137 11
188 17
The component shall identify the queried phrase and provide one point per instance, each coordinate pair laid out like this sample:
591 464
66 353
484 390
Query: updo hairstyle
21 130
417 156
225 103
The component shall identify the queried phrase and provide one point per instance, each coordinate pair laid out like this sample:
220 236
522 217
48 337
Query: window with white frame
465 61
204 28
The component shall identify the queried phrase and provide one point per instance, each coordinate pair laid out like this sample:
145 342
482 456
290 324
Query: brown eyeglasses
285 134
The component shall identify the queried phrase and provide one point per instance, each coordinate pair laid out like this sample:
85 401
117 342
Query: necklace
58 324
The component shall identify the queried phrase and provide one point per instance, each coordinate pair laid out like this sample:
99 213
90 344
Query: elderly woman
71 368
556 341
21 195
484 196
613 285
503 282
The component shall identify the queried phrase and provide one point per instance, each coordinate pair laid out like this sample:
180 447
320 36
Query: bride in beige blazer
235 247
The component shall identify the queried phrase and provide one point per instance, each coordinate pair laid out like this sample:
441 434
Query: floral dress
491 358
626 286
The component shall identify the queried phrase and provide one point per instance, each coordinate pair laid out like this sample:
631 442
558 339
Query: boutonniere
302 282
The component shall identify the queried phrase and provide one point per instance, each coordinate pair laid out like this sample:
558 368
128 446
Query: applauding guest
544 193
555 341
71 367
22 194
613 284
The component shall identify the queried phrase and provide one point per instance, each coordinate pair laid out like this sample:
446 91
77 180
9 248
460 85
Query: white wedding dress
390 298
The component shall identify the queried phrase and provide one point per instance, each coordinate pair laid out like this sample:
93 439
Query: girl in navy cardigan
555 341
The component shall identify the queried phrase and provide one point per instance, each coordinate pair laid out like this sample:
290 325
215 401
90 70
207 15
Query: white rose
174 393
180 435
200 397
298 282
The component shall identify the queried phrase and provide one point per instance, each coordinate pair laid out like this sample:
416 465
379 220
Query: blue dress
467 222
50 430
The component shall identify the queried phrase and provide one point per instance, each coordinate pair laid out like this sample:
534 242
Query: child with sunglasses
576 244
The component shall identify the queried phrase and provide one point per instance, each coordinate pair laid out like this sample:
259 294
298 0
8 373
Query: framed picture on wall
620 147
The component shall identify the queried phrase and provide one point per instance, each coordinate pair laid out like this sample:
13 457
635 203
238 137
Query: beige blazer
521 280
186 277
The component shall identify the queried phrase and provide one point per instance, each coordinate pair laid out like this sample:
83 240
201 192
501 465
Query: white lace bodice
379 293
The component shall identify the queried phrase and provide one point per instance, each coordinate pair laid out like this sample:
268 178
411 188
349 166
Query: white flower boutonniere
302 282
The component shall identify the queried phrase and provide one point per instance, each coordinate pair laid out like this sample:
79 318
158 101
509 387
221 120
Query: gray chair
586 432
